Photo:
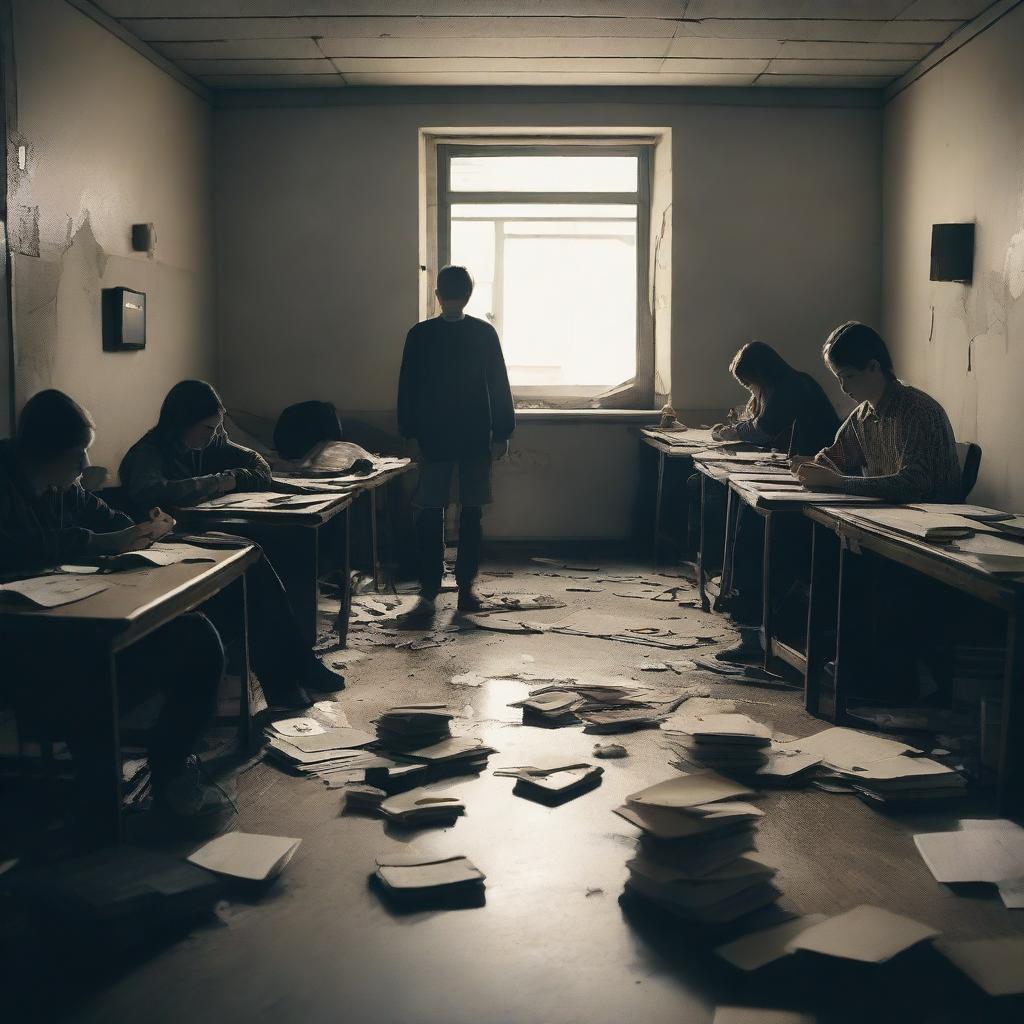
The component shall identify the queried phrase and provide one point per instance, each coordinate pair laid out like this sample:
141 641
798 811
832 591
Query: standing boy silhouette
454 400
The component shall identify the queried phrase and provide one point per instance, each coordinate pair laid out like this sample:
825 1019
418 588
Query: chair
968 454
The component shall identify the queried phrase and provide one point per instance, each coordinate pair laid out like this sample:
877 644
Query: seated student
188 458
897 444
46 518
787 409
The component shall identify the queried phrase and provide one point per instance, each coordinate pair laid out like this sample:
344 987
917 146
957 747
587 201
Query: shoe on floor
322 679
421 614
747 650
469 601
194 805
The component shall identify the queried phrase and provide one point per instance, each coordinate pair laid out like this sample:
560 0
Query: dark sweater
41 530
797 399
453 391
159 471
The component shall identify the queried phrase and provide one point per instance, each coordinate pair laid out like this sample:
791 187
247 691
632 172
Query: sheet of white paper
54 591
974 854
847 748
298 727
866 933
978 512
1011 892
759 948
244 855
995 965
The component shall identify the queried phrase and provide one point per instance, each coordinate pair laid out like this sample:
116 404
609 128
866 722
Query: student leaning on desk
898 443
47 517
188 458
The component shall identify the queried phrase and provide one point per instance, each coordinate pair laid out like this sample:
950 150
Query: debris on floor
554 783
423 880
241 855
610 750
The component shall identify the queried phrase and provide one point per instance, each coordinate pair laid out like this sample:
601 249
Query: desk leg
374 541
821 612
851 596
345 605
657 505
701 581
729 545
1010 785
245 692
104 670
767 587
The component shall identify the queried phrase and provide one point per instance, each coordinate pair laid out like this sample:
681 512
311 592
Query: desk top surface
137 600
955 563
310 513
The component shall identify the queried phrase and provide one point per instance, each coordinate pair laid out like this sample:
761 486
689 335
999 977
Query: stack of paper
408 726
306 746
979 513
418 809
937 527
1013 525
553 783
418 878
691 859
880 769
549 707
983 850
731 742
253 858
453 755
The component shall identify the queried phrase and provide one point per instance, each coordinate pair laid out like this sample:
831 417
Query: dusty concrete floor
553 945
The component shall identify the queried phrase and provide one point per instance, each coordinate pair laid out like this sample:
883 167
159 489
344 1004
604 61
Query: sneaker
194 804
469 601
422 613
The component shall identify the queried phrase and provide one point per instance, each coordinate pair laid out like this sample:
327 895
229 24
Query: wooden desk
666 450
292 539
134 604
370 488
711 469
836 527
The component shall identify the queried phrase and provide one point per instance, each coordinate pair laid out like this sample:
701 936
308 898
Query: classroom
512 512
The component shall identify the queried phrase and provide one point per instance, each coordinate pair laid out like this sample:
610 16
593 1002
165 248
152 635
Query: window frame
632 394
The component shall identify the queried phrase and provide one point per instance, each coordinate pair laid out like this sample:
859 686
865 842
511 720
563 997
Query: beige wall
775 234
112 141
954 151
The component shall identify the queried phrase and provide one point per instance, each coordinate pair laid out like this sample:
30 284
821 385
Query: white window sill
526 416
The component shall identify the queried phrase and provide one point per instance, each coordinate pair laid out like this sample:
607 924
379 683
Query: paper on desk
995 965
817 497
157 554
264 502
764 947
992 553
990 854
849 749
978 512
866 933
55 590
255 858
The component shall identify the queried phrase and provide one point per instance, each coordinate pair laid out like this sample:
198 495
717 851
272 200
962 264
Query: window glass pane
543 211
543 174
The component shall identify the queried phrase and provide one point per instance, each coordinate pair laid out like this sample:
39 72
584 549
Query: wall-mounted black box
952 253
124 320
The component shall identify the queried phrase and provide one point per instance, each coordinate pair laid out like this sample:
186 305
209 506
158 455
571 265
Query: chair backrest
969 456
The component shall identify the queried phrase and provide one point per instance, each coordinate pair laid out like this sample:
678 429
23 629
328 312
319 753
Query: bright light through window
558 277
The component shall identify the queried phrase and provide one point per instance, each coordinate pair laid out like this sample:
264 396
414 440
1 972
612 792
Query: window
556 240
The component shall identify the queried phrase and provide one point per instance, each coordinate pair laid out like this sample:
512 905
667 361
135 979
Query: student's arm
252 471
503 410
407 381
772 420
844 456
142 477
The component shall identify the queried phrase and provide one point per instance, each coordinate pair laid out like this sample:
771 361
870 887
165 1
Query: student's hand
499 450
814 476
724 432
230 481
796 461
135 538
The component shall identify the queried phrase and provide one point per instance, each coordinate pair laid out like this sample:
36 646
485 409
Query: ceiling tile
892 68
538 78
240 49
822 82
804 50
444 65
965 10
868 10
558 46
709 46
691 65
273 81
257 67
371 8
865 31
